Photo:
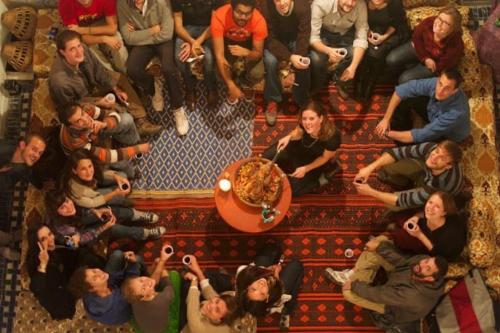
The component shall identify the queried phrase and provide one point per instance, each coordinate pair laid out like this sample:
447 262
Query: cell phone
124 187
282 258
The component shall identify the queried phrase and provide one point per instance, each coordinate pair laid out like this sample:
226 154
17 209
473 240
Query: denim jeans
116 262
406 56
208 60
122 214
88 218
290 276
125 131
252 71
319 61
106 54
140 56
272 84
119 231
107 186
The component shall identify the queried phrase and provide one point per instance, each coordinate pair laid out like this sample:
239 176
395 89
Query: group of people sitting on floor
294 44
297 46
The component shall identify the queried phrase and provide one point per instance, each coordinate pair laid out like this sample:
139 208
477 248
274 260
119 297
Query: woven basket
21 22
18 54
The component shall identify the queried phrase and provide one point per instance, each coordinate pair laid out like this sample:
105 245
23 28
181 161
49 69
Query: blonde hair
127 291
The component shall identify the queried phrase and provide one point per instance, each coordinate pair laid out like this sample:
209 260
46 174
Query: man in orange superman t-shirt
238 34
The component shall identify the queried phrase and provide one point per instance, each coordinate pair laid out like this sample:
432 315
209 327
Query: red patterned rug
318 227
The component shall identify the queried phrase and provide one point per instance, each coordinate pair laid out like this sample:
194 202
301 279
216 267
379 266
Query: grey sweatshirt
156 12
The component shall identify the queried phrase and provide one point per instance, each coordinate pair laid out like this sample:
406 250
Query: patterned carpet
192 163
318 227
11 212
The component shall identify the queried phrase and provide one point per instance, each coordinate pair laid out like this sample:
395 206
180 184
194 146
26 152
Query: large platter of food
258 181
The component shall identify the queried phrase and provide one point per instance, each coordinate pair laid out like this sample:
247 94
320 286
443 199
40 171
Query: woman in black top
50 266
388 29
305 152
438 231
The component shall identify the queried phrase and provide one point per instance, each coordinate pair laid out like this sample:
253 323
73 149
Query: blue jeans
406 56
125 131
119 231
290 276
208 61
116 262
107 186
87 217
272 84
319 61
91 221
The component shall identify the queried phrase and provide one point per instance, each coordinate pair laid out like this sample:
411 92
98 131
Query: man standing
339 31
440 101
287 48
96 21
238 34
77 76
148 27
414 284
417 170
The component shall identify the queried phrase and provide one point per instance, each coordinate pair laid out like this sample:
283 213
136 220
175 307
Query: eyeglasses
441 21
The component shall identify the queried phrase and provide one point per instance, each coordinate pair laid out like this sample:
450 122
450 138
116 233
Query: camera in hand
124 187
411 226
169 250
359 180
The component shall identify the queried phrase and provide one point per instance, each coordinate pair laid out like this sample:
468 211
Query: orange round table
241 216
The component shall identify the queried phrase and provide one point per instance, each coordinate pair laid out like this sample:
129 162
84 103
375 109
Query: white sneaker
338 277
154 233
157 99
181 121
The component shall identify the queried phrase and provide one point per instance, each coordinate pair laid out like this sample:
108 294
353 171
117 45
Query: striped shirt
73 139
450 181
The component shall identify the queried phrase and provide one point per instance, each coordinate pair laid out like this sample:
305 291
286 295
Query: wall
4 100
